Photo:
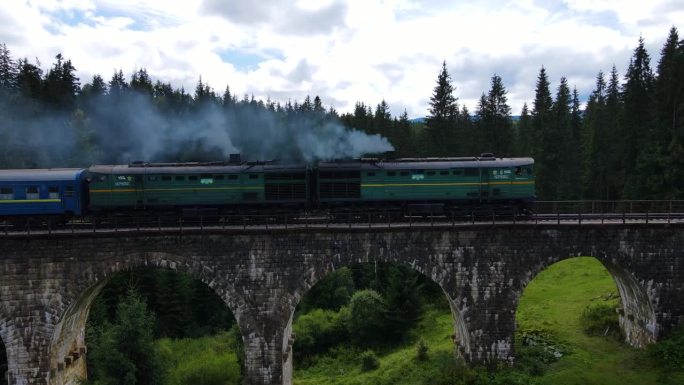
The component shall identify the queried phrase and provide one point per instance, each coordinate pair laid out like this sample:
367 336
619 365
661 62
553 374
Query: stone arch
318 271
4 367
67 345
636 315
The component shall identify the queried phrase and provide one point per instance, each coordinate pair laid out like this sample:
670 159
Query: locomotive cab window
53 192
6 193
32 192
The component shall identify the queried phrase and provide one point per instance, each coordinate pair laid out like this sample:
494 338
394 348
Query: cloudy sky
343 51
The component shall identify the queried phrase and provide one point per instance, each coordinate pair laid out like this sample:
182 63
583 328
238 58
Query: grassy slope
208 360
553 301
396 367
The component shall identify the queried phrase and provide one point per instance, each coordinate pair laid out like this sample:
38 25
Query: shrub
369 361
669 353
365 321
421 350
318 331
601 320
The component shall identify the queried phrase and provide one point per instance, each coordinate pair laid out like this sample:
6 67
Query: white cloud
343 51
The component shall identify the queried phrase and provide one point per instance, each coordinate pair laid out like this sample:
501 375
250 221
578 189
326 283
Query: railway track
261 223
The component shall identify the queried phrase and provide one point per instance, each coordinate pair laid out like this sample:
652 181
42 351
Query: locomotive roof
190 168
425 163
40 175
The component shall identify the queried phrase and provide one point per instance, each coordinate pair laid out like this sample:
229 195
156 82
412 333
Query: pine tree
637 122
595 139
561 139
8 71
495 120
669 113
443 115
541 121
524 132
141 82
382 121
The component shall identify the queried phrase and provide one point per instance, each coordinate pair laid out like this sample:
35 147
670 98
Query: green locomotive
428 184
425 185
214 187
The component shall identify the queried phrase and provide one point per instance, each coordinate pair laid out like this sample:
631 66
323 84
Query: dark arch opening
393 311
160 324
571 319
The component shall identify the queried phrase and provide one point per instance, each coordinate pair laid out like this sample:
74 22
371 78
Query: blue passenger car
41 193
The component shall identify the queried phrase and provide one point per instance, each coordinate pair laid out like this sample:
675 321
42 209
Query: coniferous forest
625 142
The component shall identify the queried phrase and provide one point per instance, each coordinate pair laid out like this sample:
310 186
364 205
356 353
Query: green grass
398 366
552 302
208 360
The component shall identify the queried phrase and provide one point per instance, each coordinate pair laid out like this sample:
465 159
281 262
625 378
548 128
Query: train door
484 184
139 187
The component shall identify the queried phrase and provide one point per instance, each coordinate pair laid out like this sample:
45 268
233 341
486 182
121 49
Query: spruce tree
595 138
443 113
541 121
495 121
636 121
8 71
560 142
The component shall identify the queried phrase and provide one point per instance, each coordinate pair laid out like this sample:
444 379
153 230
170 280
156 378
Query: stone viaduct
48 282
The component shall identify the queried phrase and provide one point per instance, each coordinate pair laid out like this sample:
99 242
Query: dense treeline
627 142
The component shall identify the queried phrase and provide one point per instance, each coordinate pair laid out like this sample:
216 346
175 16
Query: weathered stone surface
48 284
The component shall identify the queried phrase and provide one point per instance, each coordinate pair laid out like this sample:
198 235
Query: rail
543 212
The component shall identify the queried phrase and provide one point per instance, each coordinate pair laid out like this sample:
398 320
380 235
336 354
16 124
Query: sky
343 51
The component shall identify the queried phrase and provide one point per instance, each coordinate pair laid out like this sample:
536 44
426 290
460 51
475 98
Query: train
408 186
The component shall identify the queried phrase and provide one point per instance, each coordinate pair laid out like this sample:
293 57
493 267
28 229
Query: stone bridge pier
48 284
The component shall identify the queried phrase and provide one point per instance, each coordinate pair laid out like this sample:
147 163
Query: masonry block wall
47 284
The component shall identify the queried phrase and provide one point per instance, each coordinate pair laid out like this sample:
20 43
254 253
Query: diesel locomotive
405 186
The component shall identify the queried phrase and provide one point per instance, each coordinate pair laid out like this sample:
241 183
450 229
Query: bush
669 353
421 350
369 361
601 320
318 331
540 346
365 321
